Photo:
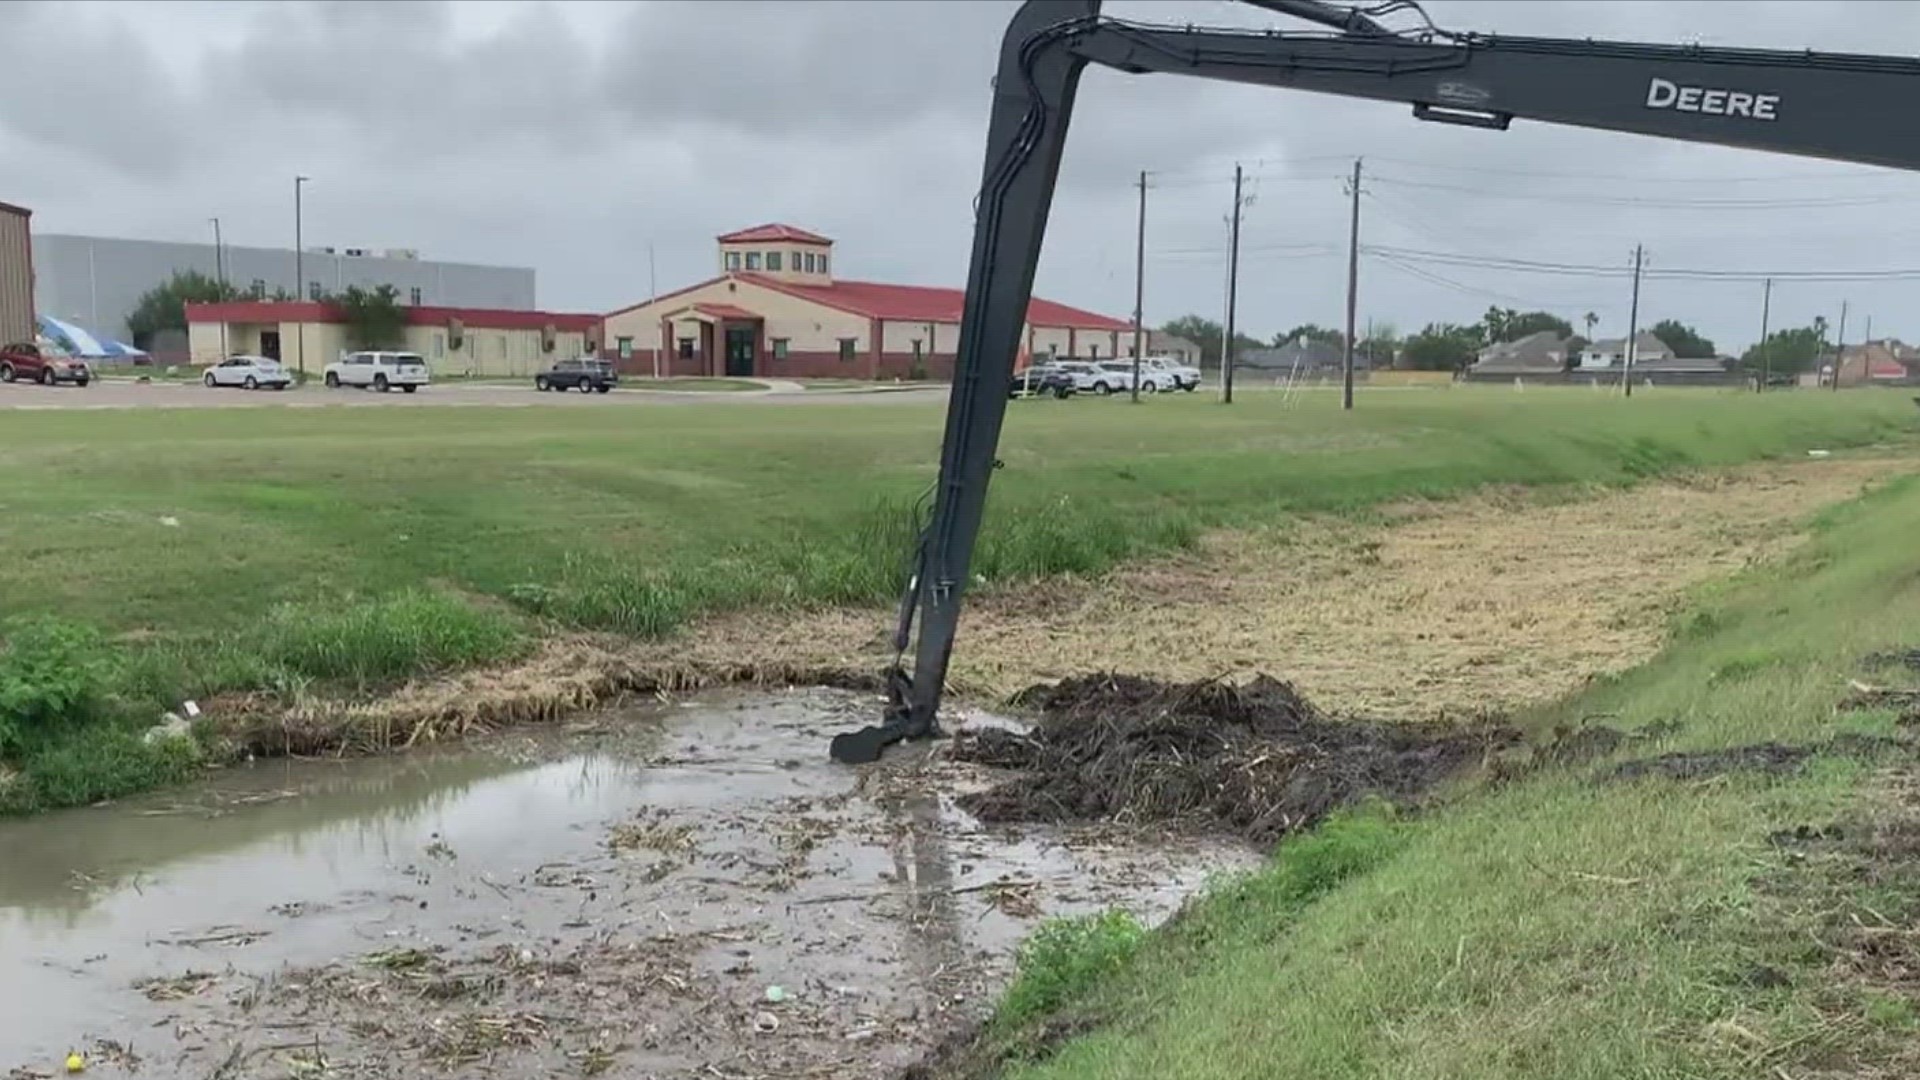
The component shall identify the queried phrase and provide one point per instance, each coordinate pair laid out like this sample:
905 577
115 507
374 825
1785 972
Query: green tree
164 307
1381 346
374 316
1685 342
1505 324
1787 351
1206 333
1311 332
1443 347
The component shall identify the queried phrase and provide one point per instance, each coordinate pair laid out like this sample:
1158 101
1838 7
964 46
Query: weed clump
1258 759
1065 958
387 638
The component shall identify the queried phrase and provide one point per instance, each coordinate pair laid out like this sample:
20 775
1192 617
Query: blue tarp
77 341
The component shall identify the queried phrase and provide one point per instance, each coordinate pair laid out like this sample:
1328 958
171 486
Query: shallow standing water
667 892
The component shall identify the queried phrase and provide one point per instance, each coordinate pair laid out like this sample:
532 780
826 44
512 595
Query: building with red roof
309 335
776 309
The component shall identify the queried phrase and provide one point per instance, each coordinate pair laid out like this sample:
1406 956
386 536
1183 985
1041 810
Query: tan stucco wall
789 251
483 351
807 326
897 337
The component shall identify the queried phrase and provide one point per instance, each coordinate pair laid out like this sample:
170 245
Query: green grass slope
1568 924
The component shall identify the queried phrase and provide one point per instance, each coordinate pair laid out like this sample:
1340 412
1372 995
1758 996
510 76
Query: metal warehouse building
308 336
778 310
16 274
97 281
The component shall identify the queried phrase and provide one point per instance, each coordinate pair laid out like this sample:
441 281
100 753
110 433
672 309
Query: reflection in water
311 815
924 865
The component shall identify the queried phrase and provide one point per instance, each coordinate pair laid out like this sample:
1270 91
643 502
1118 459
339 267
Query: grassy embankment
1570 925
269 549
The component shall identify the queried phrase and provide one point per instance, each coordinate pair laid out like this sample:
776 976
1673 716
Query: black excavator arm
1843 107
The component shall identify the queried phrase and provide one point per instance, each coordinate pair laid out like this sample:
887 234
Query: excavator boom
1826 105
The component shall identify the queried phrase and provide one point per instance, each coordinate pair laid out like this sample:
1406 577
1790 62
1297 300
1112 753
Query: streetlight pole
299 282
220 276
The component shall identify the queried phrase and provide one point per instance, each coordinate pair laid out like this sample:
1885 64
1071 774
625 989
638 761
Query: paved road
114 394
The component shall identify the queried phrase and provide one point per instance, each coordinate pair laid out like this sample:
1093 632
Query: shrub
52 678
1065 958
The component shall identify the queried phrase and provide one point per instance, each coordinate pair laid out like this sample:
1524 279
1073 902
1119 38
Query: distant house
1537 353
1612 352
1883 361
1300 356
1161 343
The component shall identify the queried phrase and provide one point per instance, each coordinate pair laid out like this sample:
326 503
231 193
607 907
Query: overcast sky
571 136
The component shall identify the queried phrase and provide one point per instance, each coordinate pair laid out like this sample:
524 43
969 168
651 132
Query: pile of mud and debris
1258 758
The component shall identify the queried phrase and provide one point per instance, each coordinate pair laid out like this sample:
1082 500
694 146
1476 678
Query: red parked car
24 361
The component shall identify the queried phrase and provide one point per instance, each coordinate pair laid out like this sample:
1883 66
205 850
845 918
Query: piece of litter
766 1023
191 708
76 1063
526 956
170 521
1819 453
776 994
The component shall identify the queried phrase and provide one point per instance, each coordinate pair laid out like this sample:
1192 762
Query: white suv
381 370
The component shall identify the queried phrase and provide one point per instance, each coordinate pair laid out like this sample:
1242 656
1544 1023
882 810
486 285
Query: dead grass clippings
178 987
1257 759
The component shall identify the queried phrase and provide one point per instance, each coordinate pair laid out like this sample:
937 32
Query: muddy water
662 892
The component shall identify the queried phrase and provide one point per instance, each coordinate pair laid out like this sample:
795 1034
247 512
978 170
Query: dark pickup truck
589 376
1041 380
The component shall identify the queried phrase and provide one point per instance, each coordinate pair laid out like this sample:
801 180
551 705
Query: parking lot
127 394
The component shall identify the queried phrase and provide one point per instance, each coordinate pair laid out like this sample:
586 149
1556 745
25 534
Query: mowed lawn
183 522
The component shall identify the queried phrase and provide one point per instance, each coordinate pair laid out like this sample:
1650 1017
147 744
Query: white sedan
251 372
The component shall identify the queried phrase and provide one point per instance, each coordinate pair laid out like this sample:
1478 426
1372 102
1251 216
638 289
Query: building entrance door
270 344
740 350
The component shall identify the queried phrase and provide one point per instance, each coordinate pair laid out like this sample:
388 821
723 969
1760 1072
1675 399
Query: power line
1487 262
1461 287
1585 199
1482 170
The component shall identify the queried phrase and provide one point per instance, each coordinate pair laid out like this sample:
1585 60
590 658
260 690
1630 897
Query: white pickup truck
1183 376
380 370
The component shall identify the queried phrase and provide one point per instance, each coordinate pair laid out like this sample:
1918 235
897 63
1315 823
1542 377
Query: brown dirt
1766 757
1456 608
1466 607
1258 759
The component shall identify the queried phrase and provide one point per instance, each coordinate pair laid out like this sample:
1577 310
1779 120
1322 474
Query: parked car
381 370
1111 376
1154 379
25 361
590 376
1185 376
251 372
1042 379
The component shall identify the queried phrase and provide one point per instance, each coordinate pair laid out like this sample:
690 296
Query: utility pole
220 276
299 282
1839 345
1233 292
1139 283
1633 321
1766 350
1353 292
653 293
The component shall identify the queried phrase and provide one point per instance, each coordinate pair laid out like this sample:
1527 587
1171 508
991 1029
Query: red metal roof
264 311
773 231
927 303
725 311
9 208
